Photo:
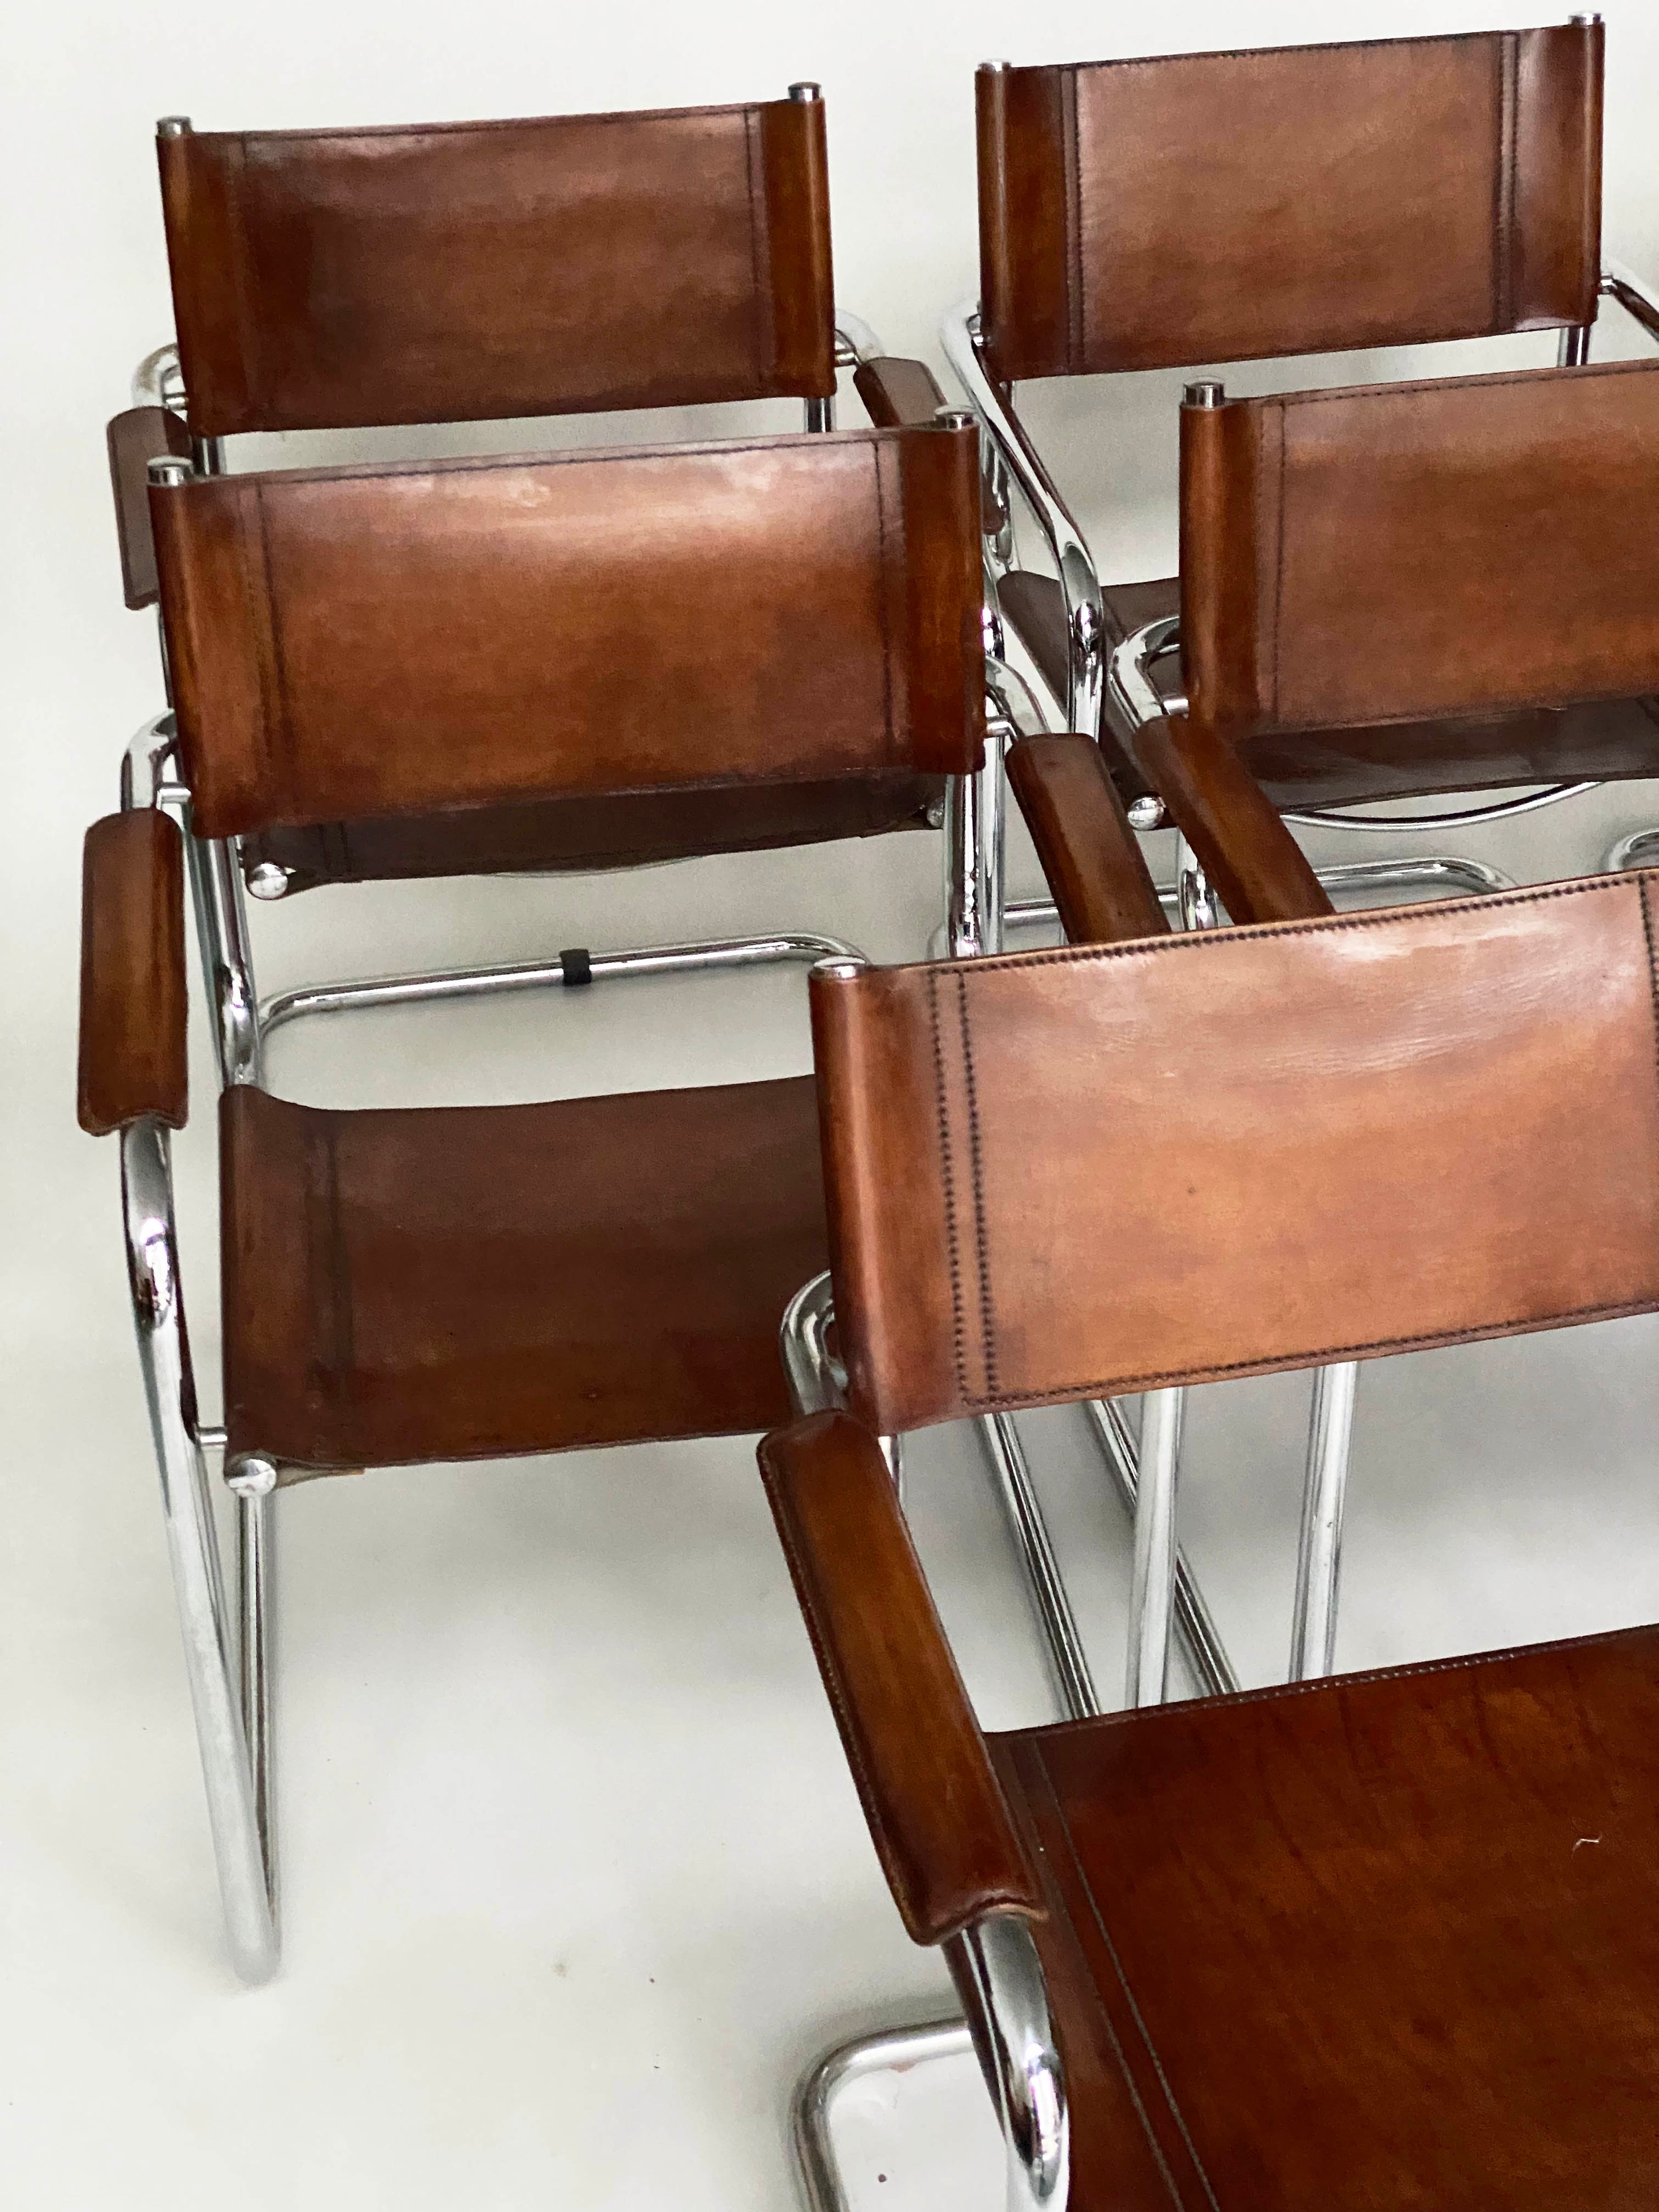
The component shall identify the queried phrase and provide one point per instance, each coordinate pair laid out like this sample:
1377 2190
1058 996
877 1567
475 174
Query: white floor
575 1880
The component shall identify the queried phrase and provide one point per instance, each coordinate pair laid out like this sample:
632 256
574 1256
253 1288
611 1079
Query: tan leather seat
461 1282
1390 1940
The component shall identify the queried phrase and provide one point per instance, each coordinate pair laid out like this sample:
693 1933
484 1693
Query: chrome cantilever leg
1068 1662
895 2050
192 1548
1201 1639
1319 1558
1638 849
1151 1593
997 1968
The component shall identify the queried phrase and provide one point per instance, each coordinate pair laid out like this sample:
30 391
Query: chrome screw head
267 880
168 469
1146 813
251 1477
173 126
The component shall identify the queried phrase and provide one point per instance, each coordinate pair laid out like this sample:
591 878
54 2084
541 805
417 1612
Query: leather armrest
134 439
941 1825
1090 858
133 999
896 393
1251 858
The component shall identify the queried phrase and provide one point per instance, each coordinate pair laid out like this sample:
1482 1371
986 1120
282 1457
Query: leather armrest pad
1250 857
897 393
134 438
941 1825
1090 858
132 973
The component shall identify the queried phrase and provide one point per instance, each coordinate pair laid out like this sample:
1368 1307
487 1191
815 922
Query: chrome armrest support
149 777
1000 1976
159 381
1013 704
1085 610
1132 689
817 1379
1622 283
855 341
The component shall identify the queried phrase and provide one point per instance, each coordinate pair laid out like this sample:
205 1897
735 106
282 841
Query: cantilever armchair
1192 209
471 273
459 1283
1328 1944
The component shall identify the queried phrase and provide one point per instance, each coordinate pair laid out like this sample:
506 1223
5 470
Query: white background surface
575 1881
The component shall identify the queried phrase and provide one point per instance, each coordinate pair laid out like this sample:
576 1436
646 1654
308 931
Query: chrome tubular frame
1319 1556
235 1789
1151 1593
1013 455
897 2050
994 1962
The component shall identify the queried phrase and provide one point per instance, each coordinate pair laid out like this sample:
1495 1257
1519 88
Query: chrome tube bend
1014 2037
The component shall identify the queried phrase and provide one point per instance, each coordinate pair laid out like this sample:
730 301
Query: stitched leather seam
1503 213
1276 53
1130 2083
987 1320
1653 972
884 618
765 357
1279 556
1122 1386
579 456
1076 275
958 1326
1375 395
351 132
283 733
1335 1684
248 324
1223 941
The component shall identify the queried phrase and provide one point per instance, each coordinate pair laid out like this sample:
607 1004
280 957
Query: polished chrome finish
1207 392
1000 1974
1319 817
805 90
1431 871
964 888
167 470
1152 1592
208 1437
1147 813
1638 849
147 766
1086 613
208 455
1074 1685
1194 901
820 414
159 381
1621 283
1201 1639
855 341
216 883
954 418
1131 689
999 66
816 1377
192 1547
1586 20
253 1482
288 1006
267 880
1573 347
1319 1559
893 2050
173 126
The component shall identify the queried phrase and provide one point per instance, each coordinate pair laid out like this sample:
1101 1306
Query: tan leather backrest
1296 199
1401 551
354 641
459 271
1070 1174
